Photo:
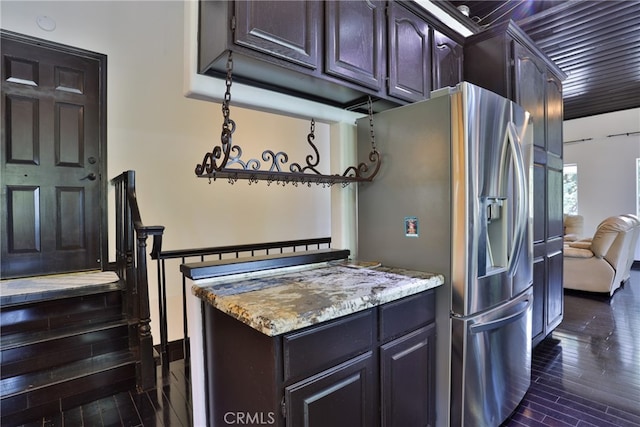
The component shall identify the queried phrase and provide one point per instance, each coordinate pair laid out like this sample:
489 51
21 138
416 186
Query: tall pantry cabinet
505 60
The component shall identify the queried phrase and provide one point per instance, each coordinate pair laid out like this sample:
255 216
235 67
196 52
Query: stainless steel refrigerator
453 197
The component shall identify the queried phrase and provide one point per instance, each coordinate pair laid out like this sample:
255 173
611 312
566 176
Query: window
570 189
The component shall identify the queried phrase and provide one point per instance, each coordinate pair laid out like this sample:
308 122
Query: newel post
145 369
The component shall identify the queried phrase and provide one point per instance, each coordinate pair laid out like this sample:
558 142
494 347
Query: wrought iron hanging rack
224 160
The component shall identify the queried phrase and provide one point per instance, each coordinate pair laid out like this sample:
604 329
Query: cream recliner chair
634 244
600 264
573 227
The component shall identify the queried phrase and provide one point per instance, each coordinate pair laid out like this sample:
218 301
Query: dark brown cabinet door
406 373
554 116
354 42
339 397
538 318
447 61
52 160
530 88
409 55
539 201
555 226
555 290
283 29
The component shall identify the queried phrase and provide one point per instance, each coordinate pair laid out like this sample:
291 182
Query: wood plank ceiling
596 43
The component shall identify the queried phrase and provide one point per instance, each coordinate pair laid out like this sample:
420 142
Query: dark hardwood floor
168 405
586 373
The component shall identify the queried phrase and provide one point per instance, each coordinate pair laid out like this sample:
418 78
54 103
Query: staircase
62 348
74 338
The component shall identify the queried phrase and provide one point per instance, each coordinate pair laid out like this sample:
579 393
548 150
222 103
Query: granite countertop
288 299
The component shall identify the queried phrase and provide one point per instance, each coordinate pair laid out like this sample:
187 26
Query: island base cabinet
407 381
242 372
339 397
371 368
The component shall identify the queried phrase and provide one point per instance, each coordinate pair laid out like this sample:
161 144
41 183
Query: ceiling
596 43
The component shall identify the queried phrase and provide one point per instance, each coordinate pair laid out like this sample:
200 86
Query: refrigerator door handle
521 200
498 323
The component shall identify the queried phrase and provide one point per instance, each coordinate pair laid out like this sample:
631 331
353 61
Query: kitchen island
335 343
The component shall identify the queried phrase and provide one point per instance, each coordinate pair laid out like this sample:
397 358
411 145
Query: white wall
606 165
155 130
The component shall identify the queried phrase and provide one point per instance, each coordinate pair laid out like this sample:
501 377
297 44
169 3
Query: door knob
91 177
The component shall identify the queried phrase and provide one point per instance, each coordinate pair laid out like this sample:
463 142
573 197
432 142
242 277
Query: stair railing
131 266
178 257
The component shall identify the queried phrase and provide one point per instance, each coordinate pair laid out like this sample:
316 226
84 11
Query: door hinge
233 23
283 408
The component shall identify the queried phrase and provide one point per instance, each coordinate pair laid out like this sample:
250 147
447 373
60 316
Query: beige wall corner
343 199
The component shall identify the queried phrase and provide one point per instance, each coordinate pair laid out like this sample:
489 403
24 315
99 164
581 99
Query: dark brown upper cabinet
334 52
554 115
354 35
286 31
447 61
409 55
528 87
276 45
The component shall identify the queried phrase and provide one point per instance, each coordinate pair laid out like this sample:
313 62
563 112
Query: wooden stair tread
13 386
42 288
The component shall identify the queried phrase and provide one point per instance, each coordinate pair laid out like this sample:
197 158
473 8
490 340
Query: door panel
23 217
286 30
530 69
354 41
447 61
409 55
407 364
21 120
555 308
539 202
71 213
53 122
339 397
554 116
69 136
539 295
555 225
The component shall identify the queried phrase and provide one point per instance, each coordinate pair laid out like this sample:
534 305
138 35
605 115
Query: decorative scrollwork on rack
224 161
311 162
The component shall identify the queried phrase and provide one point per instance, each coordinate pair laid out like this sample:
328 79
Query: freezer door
491 363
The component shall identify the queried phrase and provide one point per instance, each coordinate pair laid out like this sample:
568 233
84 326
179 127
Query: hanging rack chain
210 161
363 170
227 94
373 135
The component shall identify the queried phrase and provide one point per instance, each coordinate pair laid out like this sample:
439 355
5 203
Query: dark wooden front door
53 157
